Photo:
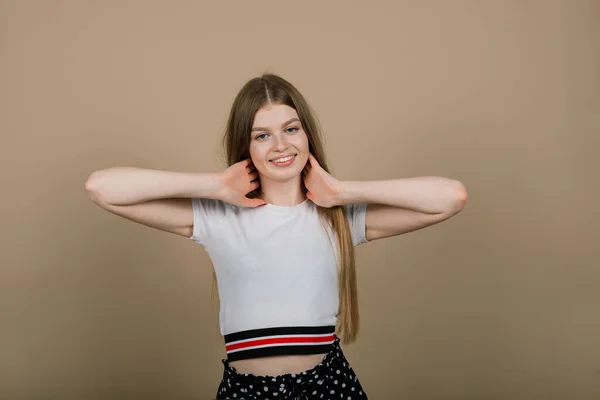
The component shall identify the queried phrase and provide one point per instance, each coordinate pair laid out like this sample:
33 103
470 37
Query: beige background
500 302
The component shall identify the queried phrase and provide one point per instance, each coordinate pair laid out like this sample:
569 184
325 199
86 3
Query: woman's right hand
236 182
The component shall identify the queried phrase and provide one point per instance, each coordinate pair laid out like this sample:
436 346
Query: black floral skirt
333 378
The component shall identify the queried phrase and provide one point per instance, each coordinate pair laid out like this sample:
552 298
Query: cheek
254 153
257 157
302 146
301 142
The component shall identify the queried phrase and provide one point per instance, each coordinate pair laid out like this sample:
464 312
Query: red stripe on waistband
281 341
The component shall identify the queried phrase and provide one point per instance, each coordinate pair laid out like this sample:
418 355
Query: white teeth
283 159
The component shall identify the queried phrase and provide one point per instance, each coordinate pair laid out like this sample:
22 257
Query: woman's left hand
322 188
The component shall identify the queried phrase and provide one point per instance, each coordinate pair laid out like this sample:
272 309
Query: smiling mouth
281 160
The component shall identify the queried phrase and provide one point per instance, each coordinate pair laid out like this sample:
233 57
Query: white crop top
275 265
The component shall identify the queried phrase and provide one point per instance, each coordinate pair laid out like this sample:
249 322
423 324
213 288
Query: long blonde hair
272 89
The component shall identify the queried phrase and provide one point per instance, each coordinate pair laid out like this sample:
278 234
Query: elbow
89 183
455 198
91 187
460 197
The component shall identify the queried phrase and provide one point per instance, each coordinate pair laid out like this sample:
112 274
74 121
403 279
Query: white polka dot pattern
333 378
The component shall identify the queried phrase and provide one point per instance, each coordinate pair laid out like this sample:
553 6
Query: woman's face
278 144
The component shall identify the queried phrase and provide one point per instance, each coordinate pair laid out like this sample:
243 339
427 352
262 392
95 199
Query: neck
289 193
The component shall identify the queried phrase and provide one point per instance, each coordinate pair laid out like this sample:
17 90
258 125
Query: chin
282 177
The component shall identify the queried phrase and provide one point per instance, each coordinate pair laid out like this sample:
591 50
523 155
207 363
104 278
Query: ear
306 170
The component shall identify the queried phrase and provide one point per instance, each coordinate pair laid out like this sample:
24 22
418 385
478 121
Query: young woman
281 232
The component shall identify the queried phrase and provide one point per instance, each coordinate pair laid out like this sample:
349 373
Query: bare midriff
277 365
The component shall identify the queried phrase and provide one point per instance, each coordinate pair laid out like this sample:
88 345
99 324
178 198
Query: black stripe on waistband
279 351
279 331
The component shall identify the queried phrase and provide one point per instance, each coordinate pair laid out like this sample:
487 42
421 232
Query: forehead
273 115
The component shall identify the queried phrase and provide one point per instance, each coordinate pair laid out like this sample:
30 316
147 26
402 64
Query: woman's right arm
162 199
155 198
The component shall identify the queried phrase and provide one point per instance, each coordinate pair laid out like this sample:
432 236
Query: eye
291 127
261 136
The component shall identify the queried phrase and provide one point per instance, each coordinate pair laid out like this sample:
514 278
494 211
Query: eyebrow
258 128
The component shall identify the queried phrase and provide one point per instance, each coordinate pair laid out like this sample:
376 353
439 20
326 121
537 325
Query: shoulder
354 211
210 215
208 205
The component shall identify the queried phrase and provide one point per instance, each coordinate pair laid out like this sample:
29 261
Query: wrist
349 193
208 185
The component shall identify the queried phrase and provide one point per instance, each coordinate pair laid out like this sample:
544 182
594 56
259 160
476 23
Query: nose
280 143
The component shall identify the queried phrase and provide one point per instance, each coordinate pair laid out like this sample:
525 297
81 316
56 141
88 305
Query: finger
254 203
310 162
254 185
253 176
259 202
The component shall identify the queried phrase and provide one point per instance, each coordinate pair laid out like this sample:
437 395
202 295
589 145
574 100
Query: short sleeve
208 213
356 214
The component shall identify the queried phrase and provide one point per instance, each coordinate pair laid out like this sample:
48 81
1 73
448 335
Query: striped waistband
279 341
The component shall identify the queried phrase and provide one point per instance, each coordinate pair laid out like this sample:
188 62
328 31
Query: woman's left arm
395 206
399 206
